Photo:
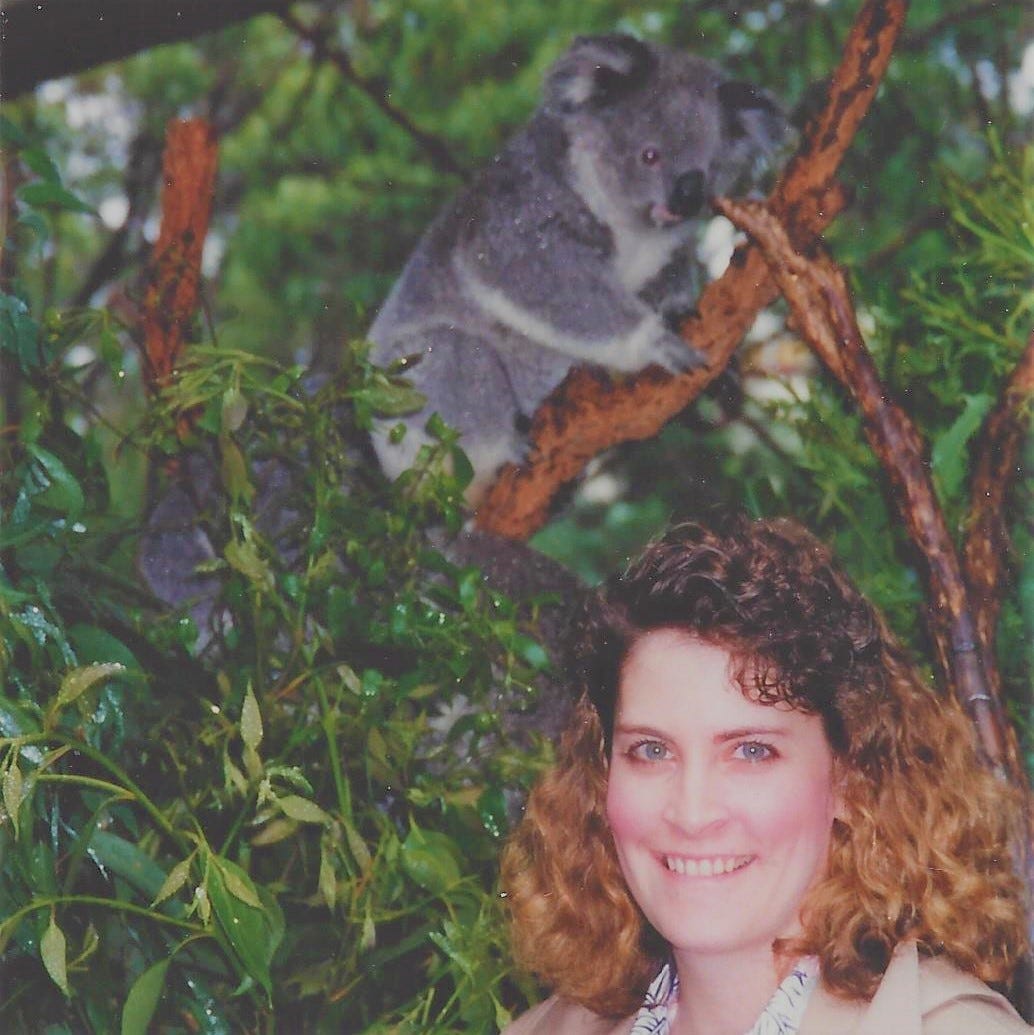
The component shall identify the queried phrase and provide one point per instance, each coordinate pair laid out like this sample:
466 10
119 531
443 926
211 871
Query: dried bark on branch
590 411
987 542
817 293
174 274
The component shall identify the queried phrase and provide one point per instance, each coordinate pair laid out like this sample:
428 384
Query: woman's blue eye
754 751
649 751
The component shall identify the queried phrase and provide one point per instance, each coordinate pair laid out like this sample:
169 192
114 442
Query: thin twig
920 39
142 170
440 155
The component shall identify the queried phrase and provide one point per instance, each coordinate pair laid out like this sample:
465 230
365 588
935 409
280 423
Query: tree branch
173 279
921 38
441 157
986 544
142 169
817 292
590 411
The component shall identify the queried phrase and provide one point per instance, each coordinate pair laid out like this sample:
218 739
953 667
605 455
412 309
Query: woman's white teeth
705 867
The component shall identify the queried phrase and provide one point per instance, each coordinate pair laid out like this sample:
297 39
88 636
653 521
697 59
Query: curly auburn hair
922 851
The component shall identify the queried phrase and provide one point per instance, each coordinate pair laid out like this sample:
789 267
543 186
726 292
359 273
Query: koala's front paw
679 356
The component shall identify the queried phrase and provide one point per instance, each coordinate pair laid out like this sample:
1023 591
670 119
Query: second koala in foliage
573 246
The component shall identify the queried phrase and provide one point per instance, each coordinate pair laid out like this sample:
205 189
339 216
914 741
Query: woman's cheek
628 807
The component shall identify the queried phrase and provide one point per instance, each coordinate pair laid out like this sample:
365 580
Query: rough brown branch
591 412
986 546
173 278
818 295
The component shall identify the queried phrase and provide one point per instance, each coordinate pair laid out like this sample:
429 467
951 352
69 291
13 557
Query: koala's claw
680 357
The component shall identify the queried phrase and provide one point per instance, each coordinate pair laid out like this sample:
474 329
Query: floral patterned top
782 1015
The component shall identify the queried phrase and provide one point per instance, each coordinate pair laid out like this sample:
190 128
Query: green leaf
469 587
238 883
233 778
53 196
79 680
532 652
253 931
234 470
12 134
462 468
251 721
949 455
52 950
491 808
132 864
41 164
368 938
60 491
176 879
16 721
303 810
431 859
19 332
20 533
357 846
14 791
143 998
93 643
393 398
328 876
245 558
235 410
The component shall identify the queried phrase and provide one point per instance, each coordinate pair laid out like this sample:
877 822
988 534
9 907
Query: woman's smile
707 866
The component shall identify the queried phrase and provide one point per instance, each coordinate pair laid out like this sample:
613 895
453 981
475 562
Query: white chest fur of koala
573 246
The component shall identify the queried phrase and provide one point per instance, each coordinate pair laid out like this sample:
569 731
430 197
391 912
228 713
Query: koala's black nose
687 196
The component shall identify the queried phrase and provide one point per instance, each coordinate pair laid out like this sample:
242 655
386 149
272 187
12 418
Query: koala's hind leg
466 384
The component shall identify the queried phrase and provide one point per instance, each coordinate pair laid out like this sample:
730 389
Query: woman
762 818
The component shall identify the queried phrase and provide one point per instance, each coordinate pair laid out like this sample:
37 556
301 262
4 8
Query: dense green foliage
297 809
294 826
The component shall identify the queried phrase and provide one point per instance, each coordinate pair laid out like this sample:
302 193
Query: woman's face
721 807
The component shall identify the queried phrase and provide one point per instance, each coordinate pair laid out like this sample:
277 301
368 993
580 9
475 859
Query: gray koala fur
573 246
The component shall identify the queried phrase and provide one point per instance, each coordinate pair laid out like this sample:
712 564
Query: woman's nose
695 800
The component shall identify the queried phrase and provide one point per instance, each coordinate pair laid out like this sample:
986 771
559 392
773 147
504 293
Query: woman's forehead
671 670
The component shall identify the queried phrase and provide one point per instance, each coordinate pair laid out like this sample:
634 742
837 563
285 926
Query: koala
574 246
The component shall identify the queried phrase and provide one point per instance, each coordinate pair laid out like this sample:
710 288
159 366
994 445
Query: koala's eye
650 156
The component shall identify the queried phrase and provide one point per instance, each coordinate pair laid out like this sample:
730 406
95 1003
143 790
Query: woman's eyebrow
750 731
720 737
638 728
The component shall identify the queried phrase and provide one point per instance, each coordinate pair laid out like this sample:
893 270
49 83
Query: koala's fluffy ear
597 71
749 112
